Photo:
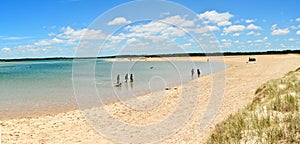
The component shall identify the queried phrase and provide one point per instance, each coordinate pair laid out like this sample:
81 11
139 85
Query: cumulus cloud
253 27
298 19
298 32
205 29
154 28
236 34
224 23
180 21
6 49
28 49
279 32
49 42
253 33
295 27
261 40
234 29
225 40
131 40
274 26
258 41
221 19
290 39
187 45
81 34
249 21
119 21
226 43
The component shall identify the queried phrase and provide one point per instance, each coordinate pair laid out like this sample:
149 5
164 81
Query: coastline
242 79
72 105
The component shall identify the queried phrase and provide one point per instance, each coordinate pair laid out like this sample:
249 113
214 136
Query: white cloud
155 32
154 28
274 26
279 32
205 29
172 31
290 39
149 28
234 28
282 45
178 20
298 32
187 45
298 19
295 27
249 21
225 40
253 27
49 42
51 34
28 49
81 34
236 34
253 33
221 19
119 21
132 40
258 41
6 49
224 23
13 38
261 40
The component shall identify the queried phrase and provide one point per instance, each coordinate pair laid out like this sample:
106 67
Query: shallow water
45 86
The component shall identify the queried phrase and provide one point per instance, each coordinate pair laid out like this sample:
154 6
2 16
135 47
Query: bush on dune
272 117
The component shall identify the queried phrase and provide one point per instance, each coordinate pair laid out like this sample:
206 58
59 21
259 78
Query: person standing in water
118 79
192 71
198 72
126 77
131 78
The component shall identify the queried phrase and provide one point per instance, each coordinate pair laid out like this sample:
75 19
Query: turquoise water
45 86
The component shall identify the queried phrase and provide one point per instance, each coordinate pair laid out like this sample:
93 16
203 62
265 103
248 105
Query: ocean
38 87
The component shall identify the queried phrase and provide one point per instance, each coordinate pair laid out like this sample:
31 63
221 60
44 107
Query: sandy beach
242 79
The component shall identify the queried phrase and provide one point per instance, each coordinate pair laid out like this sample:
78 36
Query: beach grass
272 117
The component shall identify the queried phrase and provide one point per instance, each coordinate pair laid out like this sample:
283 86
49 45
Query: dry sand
242 79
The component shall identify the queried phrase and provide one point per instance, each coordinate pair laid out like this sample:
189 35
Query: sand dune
242 79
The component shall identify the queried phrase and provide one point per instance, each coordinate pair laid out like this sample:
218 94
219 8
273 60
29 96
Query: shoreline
74 107
242 79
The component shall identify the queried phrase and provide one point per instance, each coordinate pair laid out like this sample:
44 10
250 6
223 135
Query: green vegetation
272 117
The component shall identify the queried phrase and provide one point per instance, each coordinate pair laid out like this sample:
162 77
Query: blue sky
54 28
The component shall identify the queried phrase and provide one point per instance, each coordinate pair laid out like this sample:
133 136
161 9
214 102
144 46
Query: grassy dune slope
272 117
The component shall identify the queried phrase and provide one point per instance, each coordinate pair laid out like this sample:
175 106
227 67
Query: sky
65 28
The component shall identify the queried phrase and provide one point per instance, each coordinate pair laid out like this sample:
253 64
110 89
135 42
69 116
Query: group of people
131 77
126 78
198 72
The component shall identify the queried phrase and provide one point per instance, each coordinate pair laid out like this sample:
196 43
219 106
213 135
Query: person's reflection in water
131 85
126 86
119 89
